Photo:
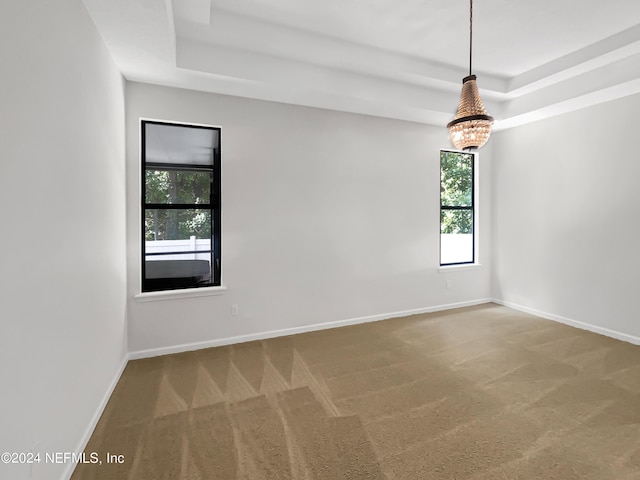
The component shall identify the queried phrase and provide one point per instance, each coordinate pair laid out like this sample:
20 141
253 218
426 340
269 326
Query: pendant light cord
470 33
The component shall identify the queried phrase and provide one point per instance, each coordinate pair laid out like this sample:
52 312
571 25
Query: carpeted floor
476 393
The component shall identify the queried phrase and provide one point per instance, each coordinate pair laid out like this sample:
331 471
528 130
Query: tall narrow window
456 208
181 216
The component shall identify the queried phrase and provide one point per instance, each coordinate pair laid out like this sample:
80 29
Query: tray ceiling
398 59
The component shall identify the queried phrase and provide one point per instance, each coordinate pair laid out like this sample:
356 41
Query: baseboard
573 323
154 352
323 326
94 421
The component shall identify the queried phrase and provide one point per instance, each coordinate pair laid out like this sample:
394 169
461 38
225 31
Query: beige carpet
475 393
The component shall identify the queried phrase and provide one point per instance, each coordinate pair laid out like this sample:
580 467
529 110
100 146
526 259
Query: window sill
183 293
458 268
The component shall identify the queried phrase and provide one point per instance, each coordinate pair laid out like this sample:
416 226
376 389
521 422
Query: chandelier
471 127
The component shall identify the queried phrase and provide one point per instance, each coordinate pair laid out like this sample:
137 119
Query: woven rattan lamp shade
471 127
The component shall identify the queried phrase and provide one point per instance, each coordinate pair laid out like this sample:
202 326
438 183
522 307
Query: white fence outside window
185 245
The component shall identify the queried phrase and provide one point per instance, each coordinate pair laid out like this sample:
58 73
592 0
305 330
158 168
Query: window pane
456 221
181 228
456 236
165 272
176 225
177 186
180 144
456 179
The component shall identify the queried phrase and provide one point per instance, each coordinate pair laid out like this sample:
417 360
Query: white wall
62 246
327 216
565 218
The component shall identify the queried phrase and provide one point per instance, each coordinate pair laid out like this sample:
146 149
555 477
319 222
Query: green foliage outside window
177 187
456 190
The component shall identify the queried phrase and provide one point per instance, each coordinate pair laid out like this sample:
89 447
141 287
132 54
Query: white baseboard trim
323 326
154 352
573 323
96 416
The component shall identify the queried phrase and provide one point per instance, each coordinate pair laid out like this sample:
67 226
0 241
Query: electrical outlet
234 309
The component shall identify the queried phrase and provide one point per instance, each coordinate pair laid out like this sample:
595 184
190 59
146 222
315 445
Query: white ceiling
394 58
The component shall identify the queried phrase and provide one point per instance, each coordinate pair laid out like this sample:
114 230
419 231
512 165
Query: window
180 206
457 228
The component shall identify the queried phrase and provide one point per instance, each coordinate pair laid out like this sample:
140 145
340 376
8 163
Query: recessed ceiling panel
392 58
510 37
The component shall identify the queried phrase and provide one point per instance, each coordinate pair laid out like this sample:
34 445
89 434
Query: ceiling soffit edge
180 45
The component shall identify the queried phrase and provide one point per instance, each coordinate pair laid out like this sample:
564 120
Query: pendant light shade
471 127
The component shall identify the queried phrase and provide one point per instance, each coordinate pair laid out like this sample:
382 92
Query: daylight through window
456 208
180 206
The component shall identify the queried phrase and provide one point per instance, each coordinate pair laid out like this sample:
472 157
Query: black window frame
471 208
214 205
